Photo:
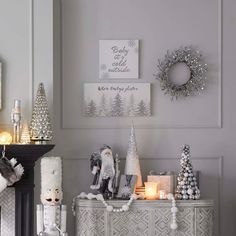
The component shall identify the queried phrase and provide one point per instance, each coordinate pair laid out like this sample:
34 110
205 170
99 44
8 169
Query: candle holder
165 182
5 138
150 190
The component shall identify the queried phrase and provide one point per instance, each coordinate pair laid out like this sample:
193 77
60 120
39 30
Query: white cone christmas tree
132 165
40 126
186 181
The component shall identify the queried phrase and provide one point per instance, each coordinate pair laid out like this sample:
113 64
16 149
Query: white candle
162 194
63 218
39 219
150 190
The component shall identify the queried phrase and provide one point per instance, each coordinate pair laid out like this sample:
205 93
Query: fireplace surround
23 205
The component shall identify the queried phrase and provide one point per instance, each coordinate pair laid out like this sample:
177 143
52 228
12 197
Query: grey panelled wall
26 52
206 122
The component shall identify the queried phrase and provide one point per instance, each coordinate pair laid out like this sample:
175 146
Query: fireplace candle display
150 190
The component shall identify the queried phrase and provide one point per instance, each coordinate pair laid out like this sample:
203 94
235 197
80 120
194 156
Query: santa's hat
104 147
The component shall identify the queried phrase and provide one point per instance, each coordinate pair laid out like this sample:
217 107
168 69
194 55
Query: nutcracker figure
16 120
51 215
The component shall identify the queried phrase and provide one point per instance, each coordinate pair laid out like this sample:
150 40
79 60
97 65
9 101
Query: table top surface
146 203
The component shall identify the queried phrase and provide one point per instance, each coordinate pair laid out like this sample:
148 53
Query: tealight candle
150 190
162 194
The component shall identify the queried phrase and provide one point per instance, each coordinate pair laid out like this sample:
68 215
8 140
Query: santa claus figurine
103 168
51 215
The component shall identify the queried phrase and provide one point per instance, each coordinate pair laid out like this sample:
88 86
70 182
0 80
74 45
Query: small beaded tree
25 135
40 126
186 181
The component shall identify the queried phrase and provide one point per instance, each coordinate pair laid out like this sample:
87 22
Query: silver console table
145 218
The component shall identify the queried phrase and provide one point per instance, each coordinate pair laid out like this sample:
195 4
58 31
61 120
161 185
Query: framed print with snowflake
116 99
118 59
126 186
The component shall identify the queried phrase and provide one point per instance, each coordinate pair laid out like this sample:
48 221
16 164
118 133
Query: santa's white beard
107 160
107 166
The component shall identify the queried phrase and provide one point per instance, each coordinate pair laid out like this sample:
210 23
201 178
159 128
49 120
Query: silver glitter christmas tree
40 126
186 181
132 165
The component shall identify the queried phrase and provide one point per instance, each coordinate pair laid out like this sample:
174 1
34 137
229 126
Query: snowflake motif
103 67
131 43
105 75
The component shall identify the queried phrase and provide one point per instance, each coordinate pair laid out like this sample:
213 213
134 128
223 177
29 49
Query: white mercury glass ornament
174 226
190 191
125 208
110 208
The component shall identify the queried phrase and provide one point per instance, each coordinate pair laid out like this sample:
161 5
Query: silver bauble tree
186 181
132 165
40 126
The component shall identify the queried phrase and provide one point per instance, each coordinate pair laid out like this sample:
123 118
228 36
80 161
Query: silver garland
197 81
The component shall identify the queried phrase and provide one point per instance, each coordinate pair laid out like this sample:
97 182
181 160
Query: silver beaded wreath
197 81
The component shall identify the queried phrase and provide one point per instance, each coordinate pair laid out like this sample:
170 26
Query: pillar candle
150 190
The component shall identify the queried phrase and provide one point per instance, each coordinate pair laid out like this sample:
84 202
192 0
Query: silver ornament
190 191
183 192
186 174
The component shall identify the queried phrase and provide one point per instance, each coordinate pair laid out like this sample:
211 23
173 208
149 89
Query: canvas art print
116 99
127 185
118 59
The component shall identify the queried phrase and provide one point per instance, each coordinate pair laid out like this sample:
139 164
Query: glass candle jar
150 190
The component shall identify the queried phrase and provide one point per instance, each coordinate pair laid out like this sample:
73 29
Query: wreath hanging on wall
193 60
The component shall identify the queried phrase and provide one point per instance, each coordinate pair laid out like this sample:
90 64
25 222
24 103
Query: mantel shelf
26 151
